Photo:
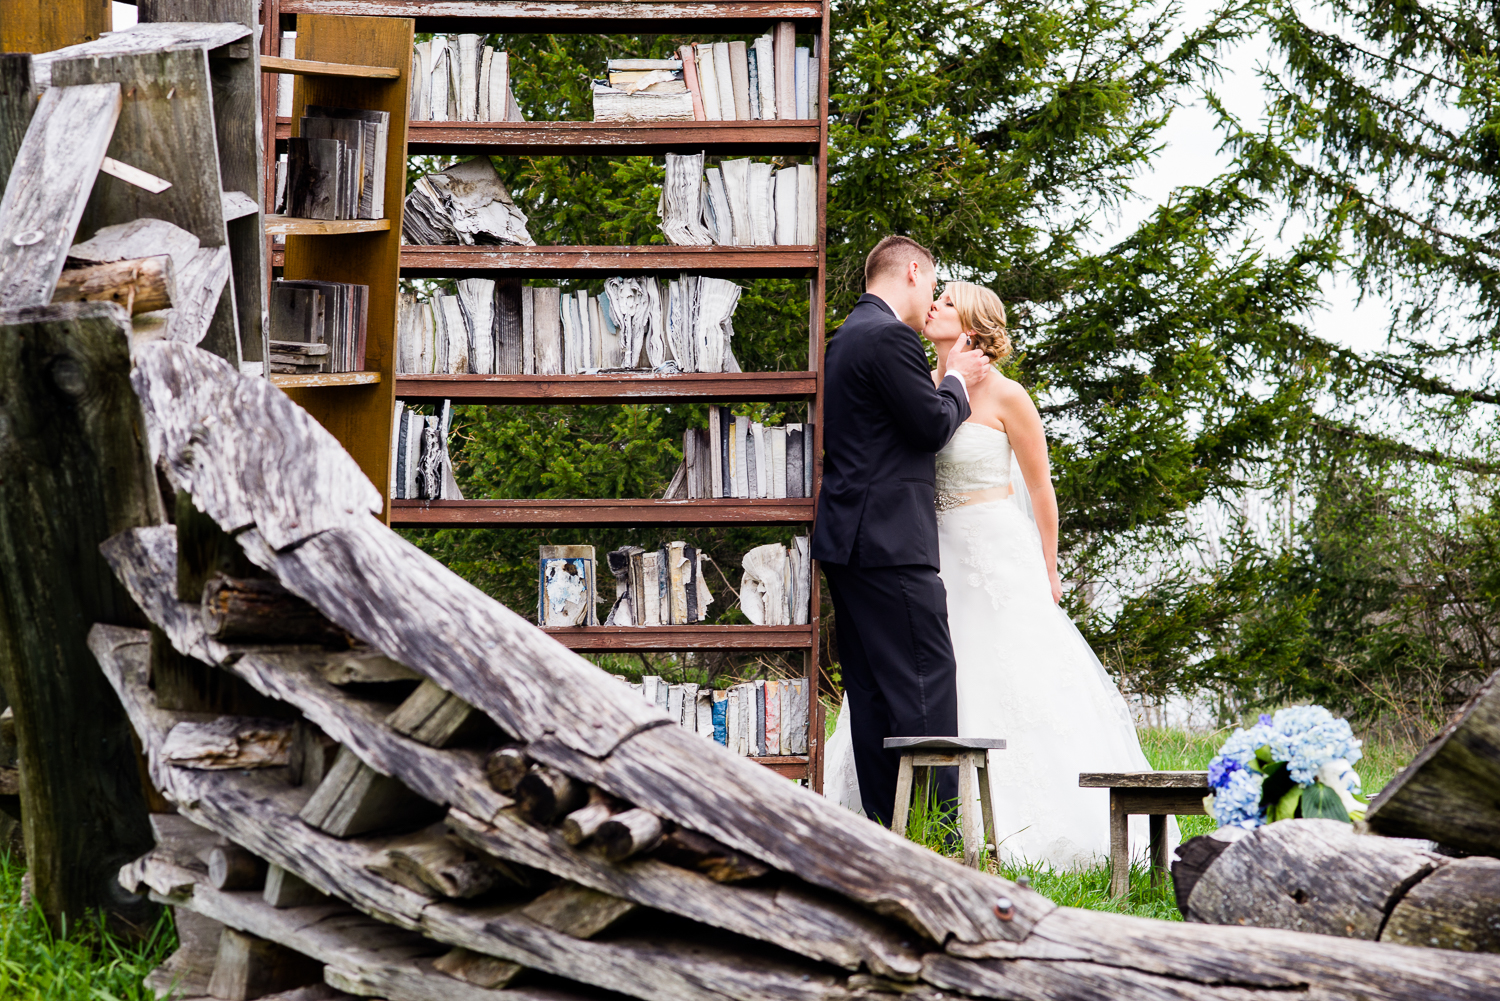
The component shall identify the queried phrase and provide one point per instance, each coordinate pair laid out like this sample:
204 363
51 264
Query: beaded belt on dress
946 501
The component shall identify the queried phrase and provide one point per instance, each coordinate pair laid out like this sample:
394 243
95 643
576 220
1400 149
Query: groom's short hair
894 253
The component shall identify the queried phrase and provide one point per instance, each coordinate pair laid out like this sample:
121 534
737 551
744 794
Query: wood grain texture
1144 780
1447 793
281 225
1454 908
260 460
324 380
140 286
311 67
139 39
76 472
17 103
39 27
571 511
1309 875
624 387
49 187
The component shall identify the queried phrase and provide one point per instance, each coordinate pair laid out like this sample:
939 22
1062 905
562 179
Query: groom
876 534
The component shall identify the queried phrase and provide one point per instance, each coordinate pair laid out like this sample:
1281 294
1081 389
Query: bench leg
1158 849
969 817
985 806
1119 847
903 796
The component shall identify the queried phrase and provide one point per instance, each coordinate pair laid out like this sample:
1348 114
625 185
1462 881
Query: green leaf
1276 785
1286 807
1263 755
1319 801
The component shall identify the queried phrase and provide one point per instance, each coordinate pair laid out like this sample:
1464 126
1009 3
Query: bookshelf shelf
645 387
283 225
317 380
580 16
539 262
604 138
657 639
310 67
582 511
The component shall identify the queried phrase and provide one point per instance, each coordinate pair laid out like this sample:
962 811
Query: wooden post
17 102
76 473
44 25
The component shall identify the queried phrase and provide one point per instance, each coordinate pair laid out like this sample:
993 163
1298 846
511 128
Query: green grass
89 964
1167 750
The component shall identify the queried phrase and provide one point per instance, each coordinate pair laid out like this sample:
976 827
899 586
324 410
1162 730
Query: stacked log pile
385 784
1421 870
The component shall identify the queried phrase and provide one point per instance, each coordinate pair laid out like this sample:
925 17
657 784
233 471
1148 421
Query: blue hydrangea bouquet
1297 763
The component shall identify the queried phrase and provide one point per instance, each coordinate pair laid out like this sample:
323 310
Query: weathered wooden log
252 967
262 611
1454 908
76 472
506 767
230 867
546 794
355 799
476 968
1310 875
140 285
286 889
583 823
629 833
434 717
1447 793
577 910
361 667
187 971
313 754
230 742
718 862
429 862
1195 856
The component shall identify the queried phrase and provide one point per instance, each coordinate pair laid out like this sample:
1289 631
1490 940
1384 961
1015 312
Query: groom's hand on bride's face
972 364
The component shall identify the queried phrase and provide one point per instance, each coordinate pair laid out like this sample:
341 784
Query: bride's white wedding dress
1025 673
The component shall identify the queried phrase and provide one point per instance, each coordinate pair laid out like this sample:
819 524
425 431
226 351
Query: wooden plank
139 39
49 187
542 261
644 387
571 511
354 798
944 743
1144 780
431 716
324 380
1447 793
27 26
283 225
577 910
603 138
1454 908
17 103
310 67
434 865
76 472
695 637
359 416
552 16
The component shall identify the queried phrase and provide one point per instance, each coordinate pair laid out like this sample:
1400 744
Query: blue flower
1265 719
1220 769
1237 804
1307 738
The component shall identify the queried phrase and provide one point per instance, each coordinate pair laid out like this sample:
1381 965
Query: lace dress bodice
973 467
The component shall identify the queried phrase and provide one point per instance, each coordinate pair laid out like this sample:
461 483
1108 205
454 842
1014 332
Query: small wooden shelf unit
344 49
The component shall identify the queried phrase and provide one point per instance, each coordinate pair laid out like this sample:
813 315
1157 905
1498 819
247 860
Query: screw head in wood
27 238
1004 909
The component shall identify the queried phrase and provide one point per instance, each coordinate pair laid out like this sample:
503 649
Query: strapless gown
1025 672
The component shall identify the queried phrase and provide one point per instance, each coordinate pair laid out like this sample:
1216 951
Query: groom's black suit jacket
883 423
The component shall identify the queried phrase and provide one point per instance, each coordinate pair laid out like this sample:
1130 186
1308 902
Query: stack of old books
770 77
317 326
466 204
662 587
334 168
739 457
756 719
567 587
457 78
777 587
682 325
738 203
421 468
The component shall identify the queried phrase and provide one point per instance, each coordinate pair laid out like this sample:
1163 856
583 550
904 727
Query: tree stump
72 448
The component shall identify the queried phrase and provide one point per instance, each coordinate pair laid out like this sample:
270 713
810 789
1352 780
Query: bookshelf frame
361 415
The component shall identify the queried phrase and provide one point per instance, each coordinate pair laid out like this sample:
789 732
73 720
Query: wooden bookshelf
285 225
361 415
322 379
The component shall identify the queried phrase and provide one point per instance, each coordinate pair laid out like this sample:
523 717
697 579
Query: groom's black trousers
898 671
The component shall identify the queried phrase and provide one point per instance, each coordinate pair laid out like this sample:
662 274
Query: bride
1025 673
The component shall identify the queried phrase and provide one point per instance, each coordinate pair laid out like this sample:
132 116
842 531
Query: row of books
317 326
660 587
756 719
334 168
776 589
505 328
421 468
768 78
457 78
738 203
738 457
465 204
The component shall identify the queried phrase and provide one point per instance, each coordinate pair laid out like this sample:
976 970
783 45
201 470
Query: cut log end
629 833
230 867
546 794
141 285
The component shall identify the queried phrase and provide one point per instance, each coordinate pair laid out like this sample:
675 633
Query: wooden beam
77 472
311 67
30 26
141 285
354 798
17 103
251 967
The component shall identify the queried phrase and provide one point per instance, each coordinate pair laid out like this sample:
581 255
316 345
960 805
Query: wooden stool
1156 794
971 754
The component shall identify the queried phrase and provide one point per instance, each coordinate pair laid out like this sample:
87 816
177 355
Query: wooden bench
1156 794
971 755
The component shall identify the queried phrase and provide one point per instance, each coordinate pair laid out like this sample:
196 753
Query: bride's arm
1029 442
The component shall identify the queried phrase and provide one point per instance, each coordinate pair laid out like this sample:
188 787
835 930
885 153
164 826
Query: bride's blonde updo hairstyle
982 314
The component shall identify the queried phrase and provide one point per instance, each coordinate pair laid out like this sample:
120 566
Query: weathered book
736 175
411 443
786 206
567 589
807 204
761 455
421 72
655 690
314 167
719 716
547 310
351 133
296 313
568 315
467 76
606 335
726 464
762 205
596 332
612 105
690 461
814 100
784 43
739 79
763 586
651 566
398 458
794 458
497 96
285 81
715 441
528 330
773 717
476 304
744 467
778 461
747 718
674 703
708 80
450 336
703 706
765 63
809 458
753 72
510 352
437 88
760 719
677 568
801 70
704 597
376 133
801 577
795 721
622 613
690 77
734 720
